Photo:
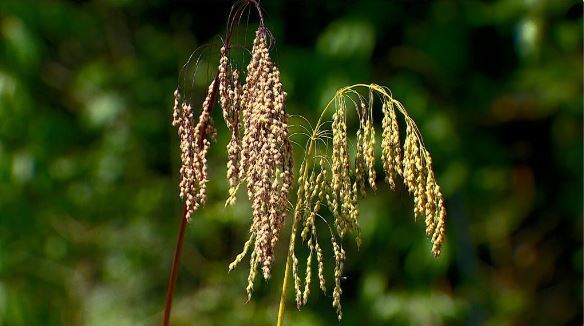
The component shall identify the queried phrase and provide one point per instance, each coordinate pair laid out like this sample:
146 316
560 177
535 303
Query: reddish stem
175 265
183 223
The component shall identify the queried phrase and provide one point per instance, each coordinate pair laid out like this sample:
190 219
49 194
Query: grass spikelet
369 153
253 262
360 163
308 278
339 263
320 261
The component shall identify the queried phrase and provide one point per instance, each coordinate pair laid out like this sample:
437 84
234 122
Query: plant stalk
175 265
285 281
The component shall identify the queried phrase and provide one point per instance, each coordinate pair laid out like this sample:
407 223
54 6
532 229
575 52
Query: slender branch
259 9
175 265
285 282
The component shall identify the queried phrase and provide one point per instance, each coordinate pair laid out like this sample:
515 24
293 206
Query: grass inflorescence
333 179
333 174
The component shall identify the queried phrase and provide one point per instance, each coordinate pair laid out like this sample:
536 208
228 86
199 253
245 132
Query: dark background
89 204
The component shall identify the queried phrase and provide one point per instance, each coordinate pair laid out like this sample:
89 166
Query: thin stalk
175 265
285 286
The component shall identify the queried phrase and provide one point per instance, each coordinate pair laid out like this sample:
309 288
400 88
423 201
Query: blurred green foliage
88 161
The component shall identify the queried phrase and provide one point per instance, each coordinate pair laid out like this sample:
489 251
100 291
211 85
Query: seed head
262 157
340 183
194 145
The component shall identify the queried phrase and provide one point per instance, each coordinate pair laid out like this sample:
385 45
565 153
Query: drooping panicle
265 157
194 144
342 192
345 182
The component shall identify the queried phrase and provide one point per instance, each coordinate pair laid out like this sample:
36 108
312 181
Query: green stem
285 281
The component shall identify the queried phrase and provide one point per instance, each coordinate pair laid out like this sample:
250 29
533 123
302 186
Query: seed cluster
420 181
230 98
264 154
341 182
266 151
194 145
390 145
343 197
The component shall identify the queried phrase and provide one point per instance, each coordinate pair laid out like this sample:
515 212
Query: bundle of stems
260 157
